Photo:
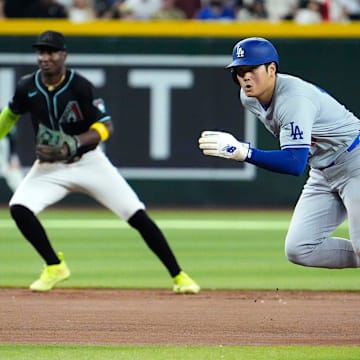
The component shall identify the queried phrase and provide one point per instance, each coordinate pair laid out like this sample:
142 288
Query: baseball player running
312 127
70 122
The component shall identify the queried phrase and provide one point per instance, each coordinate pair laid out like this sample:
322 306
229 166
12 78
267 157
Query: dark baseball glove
54 146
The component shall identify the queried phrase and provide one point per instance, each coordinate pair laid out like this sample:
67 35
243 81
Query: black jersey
72 107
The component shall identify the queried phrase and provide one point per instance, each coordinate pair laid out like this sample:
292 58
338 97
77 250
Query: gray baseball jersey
302 115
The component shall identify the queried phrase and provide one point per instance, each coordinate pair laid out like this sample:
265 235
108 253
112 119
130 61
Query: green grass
220 249
229 249
37 352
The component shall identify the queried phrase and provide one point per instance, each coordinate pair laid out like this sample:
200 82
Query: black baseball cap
50 39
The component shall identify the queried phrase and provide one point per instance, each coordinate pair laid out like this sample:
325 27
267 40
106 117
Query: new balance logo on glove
221 144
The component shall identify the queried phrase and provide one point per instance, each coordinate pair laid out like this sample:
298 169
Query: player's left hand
54 145
221 144
63 153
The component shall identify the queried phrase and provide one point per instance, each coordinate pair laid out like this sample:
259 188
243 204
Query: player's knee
292 255
295 254
301 254
18 212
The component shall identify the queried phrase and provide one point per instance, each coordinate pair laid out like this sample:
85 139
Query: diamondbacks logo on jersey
99 103
71 114
240 52
296 133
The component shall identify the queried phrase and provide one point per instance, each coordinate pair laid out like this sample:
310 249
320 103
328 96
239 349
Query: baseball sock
155 239
34 232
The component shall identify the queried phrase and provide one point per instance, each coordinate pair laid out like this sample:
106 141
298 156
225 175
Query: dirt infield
126 317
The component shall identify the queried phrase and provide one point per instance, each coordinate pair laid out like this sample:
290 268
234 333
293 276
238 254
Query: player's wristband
101 129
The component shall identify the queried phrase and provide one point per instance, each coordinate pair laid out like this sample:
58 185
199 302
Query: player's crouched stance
310 125
70 122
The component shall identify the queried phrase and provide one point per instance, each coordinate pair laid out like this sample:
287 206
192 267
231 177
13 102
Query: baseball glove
53 145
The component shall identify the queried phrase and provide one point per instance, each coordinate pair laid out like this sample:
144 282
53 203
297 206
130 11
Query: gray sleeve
297 117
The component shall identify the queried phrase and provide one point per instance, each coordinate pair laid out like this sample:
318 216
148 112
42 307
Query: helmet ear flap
234 76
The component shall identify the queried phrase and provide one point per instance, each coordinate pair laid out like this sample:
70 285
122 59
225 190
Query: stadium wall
164 82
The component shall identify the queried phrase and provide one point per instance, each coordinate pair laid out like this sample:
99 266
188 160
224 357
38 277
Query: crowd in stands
300 11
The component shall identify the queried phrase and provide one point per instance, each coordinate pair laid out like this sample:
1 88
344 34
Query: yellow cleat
51 275
184 284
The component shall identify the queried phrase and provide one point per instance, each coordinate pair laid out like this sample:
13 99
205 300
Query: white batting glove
221 144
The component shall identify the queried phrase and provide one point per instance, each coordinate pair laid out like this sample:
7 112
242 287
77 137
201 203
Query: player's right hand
221 144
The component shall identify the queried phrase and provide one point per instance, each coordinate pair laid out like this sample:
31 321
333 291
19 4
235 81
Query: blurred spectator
309 12
81 11
122 11
242 11
169 11
326 10
281 9
254 10
2 9
107 8
349 9
126 12
101 7
119 10
65 3
190 7
258 10
143 9
337 11
46 9
216 10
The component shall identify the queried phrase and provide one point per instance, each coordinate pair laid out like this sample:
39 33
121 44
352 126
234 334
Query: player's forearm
218 143
289 161
97 133
7 121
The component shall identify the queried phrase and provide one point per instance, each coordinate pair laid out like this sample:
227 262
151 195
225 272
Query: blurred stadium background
164 82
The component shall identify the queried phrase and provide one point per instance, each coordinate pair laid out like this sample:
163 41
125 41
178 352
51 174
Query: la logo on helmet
240 52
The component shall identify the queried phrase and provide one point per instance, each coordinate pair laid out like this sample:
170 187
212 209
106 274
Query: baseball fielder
70 122
312 128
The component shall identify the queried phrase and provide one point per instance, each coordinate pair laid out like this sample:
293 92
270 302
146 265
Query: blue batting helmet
254 51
